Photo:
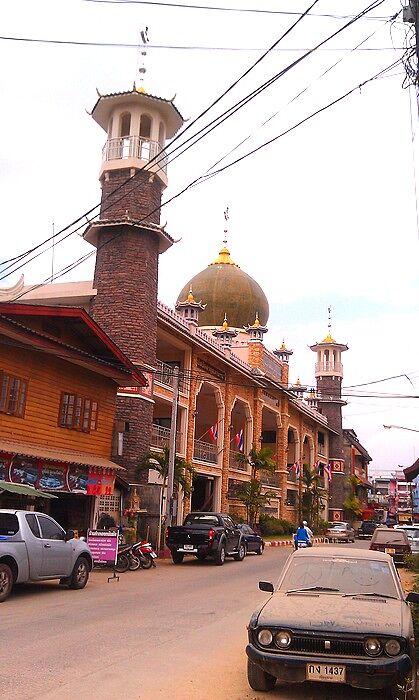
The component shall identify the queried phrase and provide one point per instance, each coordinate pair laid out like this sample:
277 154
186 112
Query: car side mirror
69 535
269 588
412 597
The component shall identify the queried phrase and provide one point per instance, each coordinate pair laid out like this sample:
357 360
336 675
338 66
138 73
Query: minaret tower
128 235
329 375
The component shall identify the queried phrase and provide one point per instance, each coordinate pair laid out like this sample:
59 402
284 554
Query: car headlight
372 646
392 647
265 637
283 639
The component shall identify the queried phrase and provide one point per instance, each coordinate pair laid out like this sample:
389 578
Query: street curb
290 543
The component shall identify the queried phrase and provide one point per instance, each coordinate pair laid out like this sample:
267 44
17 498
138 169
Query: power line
161 154
224 9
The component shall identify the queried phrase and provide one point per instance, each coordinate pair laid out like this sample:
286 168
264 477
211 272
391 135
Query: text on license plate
326 673
389 550
188 546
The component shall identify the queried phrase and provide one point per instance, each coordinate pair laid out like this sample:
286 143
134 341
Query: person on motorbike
301 536
309 532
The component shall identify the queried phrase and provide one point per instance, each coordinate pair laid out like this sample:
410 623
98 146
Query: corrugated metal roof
56 454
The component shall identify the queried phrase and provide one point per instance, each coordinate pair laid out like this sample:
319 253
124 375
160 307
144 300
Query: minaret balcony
134 152
329 368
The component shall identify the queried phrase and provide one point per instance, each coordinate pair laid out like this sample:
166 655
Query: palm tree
258 460
312 498
250 494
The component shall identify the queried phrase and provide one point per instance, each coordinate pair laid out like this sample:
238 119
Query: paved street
175 632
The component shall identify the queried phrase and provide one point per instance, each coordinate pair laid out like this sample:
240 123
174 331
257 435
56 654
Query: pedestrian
309 532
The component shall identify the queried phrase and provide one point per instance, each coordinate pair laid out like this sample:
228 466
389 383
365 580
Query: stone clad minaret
329 375
129 238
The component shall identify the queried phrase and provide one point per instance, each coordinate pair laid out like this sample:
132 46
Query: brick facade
138 197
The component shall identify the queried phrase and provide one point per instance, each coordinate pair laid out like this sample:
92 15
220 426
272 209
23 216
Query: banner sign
50 476
103 545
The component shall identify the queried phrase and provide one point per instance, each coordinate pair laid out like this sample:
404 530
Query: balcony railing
160 437
164 375
134 147
235 462
205 452
269 479
329 367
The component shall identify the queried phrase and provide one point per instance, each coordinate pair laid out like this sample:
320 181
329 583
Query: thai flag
239 439
316 467
213 431
297 469
328 470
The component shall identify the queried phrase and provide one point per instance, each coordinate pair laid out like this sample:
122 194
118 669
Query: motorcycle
145 553
126 559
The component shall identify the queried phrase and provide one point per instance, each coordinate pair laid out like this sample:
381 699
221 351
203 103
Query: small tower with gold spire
225 334
329 375
256 331
190 309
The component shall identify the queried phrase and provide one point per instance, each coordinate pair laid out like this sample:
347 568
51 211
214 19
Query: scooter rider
309 532
301 536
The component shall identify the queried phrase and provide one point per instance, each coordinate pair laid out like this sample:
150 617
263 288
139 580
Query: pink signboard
103 545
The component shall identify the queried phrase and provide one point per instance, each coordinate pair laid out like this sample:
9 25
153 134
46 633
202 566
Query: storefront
73 478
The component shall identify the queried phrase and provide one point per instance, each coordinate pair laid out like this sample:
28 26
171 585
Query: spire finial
226 218
141 67
329 319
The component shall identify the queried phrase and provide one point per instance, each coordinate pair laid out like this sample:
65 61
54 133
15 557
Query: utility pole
170 501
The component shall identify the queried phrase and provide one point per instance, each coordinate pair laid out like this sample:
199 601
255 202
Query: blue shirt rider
301 535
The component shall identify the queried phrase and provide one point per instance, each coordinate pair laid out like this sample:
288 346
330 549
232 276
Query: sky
325 215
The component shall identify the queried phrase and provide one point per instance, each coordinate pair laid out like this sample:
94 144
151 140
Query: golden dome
329 339
228 290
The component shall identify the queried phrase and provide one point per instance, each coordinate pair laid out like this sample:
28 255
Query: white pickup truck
33 547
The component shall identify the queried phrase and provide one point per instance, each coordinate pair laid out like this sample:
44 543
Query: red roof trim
74 312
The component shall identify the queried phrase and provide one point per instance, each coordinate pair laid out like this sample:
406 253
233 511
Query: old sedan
340 532
335 618
393 542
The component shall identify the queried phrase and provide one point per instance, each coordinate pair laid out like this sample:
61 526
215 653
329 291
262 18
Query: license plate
389 550
188 546
153 555
326 673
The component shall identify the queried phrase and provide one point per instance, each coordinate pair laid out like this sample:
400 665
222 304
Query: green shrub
288 527
269 525
321 527
412 562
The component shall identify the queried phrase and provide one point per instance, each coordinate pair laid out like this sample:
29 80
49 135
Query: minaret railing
134 147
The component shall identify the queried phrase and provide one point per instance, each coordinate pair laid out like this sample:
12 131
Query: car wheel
122 563
259 679
177 557
80 574
241 553
6 581
201 557
220 557
260 549
405 689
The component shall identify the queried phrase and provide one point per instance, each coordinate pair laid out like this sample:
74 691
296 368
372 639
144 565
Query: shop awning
53 454
23 490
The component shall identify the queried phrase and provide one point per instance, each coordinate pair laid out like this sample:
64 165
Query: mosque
234 393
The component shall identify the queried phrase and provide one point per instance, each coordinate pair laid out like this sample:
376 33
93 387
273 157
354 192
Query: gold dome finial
298 382
225 323
256 322
190 297
283 345
224 258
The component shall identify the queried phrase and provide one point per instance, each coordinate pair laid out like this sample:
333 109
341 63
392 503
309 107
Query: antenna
142 53
226 217
329 319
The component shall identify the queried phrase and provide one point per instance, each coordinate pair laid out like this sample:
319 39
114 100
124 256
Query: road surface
174 632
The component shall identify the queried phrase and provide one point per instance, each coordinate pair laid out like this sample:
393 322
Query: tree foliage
159 461
250 494
258 460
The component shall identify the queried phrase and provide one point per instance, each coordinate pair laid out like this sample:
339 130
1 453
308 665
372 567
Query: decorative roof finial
329 338
225 323
226 217
142 46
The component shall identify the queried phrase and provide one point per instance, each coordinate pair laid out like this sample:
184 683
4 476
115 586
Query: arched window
125 124
145 126
161 135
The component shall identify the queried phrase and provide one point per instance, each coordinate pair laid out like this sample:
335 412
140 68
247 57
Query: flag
328 470
297 469
316 467
239 440
213 431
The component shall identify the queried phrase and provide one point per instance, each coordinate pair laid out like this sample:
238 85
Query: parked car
340 532
33 547
391 541
213 535
254 542
335 619
412 532
366 529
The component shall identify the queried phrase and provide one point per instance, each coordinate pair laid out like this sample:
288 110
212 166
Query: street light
400 427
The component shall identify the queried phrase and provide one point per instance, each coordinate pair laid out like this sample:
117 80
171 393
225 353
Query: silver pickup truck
33 547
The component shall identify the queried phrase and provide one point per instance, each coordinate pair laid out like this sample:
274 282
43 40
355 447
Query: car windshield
340 574
390 537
